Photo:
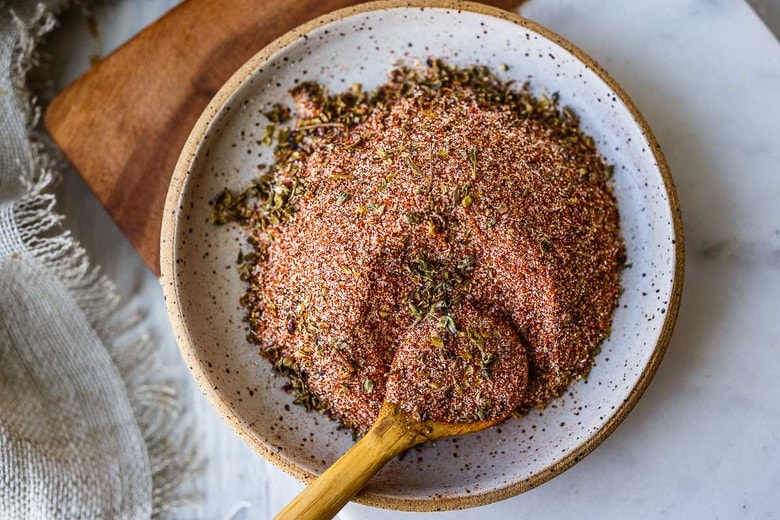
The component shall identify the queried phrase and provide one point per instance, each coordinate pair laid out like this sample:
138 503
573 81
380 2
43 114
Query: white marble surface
702 441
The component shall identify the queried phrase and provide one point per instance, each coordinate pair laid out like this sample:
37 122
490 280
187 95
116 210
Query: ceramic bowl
360 44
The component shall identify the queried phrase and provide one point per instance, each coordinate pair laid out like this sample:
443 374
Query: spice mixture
443 221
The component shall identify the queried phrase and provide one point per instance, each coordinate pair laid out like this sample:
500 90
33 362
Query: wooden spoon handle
331 491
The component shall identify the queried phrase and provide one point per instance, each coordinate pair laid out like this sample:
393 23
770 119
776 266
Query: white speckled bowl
359 45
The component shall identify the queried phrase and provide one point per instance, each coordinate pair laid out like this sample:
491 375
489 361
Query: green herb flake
467 263
460 193
278 113
476 337
414 166
377 209
447 322
413 218
354 144
268 138
472 154
432 228
384 183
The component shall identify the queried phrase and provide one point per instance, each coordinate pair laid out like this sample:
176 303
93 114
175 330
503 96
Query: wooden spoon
427 366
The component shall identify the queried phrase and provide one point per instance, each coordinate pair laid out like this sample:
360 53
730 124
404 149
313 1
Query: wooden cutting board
123 124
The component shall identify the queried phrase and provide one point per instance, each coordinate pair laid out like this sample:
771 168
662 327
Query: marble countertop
702 442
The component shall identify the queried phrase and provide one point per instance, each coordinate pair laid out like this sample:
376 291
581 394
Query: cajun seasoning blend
441 218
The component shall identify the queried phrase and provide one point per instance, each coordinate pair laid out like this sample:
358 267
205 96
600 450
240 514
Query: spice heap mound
441 218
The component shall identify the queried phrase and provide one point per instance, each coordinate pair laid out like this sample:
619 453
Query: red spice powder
447 222
477 373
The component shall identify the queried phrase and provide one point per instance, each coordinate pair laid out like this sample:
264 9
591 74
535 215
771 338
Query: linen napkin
89 427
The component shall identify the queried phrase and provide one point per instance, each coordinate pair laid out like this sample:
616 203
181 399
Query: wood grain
123 124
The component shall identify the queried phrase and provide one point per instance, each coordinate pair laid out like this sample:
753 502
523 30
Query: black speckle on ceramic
202 286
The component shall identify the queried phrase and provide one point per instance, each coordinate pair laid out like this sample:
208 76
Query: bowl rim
222 406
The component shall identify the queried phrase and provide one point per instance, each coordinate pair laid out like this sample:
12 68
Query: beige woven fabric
69 444
87 428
